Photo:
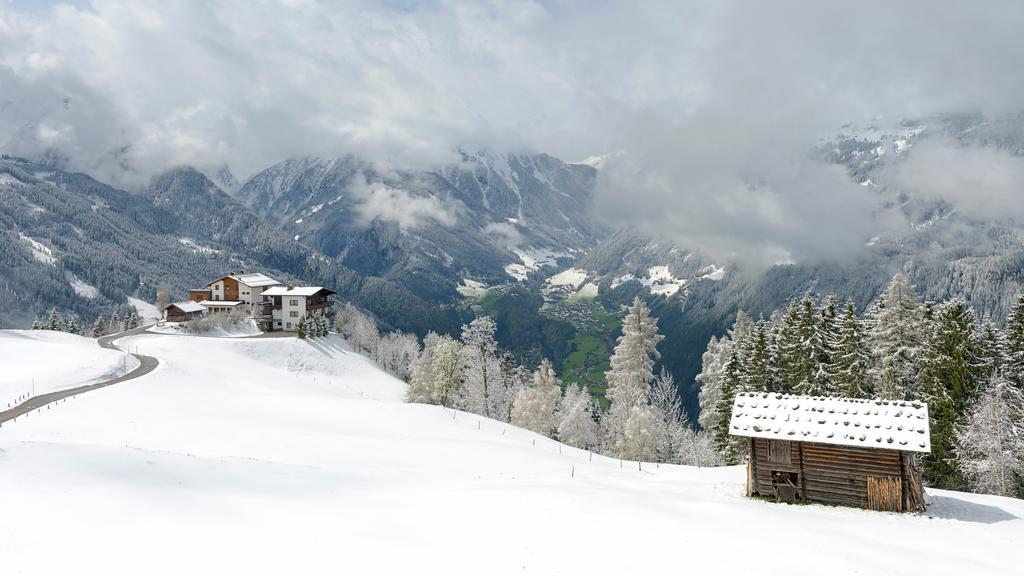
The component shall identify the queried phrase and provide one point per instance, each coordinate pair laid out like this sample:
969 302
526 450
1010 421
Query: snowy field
238 330
55 361
281 456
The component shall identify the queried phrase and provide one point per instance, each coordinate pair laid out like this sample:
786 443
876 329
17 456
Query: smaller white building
292 303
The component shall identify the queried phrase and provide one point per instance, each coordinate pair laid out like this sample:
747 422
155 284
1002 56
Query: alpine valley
515 236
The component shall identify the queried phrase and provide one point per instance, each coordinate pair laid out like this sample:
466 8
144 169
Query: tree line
102 326
969 372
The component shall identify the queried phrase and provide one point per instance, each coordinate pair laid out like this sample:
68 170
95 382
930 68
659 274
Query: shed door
885 493
780 452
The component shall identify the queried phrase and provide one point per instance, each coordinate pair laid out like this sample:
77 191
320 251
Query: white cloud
714 103
378 201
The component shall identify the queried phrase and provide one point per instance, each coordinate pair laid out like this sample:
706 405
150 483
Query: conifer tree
756 361
850 360
711 378
1015 344
991 351
793 349
99 327
726 445
668 409
825 342
72 326
512 379
896 331
990 444
300 328
54 321
632 369
536 406
114 326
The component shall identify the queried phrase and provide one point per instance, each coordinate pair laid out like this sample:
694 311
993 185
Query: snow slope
56 361
280 456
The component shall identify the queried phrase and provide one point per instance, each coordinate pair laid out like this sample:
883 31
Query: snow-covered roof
224 303
185 306
255 279
887 424
293 291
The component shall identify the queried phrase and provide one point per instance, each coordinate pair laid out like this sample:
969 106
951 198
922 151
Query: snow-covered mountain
491 218
270 456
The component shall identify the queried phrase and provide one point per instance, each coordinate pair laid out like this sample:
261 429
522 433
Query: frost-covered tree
422 379
447 368
536 406
824 343
99 327
668 408
359 328
512 378
896 333
757 370
396 353
990 444
795 352
697 449
576 424
711 379
72 326
991 351
850 360
481 391
639 440
300 328
54 321
632 369
114 325
131 321
1015 343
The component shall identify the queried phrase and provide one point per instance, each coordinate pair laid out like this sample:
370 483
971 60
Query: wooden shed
847 451
182 311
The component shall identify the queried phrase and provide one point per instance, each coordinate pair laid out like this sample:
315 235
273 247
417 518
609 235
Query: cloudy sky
711 106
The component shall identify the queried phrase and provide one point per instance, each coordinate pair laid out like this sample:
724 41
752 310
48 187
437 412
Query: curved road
146 365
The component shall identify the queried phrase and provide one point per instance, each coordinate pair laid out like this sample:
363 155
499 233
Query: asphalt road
146 365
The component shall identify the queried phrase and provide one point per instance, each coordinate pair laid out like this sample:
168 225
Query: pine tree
632 368
794 356
805 362
576 424
825 344
536 406
54 321
114 326
131 321
1015 344
991 351
726 445
756 370
72 327
99 327
639 440
300 328
711 378
896 330
37 324
512 378
850 360
990 444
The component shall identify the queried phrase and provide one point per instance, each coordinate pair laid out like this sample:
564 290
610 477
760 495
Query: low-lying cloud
713 107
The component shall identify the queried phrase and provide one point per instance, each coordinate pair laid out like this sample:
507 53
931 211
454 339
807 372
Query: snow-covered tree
114 326
536 406
668 408
697 449
796 358
300 328
632 369
54 321
850 360
896 333
990 444
512 378
576 424
396 352
359 328
447 369
639 440
1015 344
991 351
72 326
99 327
757 371
481 391
728 446
422 380
711 379
131 320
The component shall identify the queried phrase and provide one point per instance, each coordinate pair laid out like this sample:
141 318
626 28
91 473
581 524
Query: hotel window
294 313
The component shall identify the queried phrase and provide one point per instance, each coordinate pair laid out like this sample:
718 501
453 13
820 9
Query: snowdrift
271 456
